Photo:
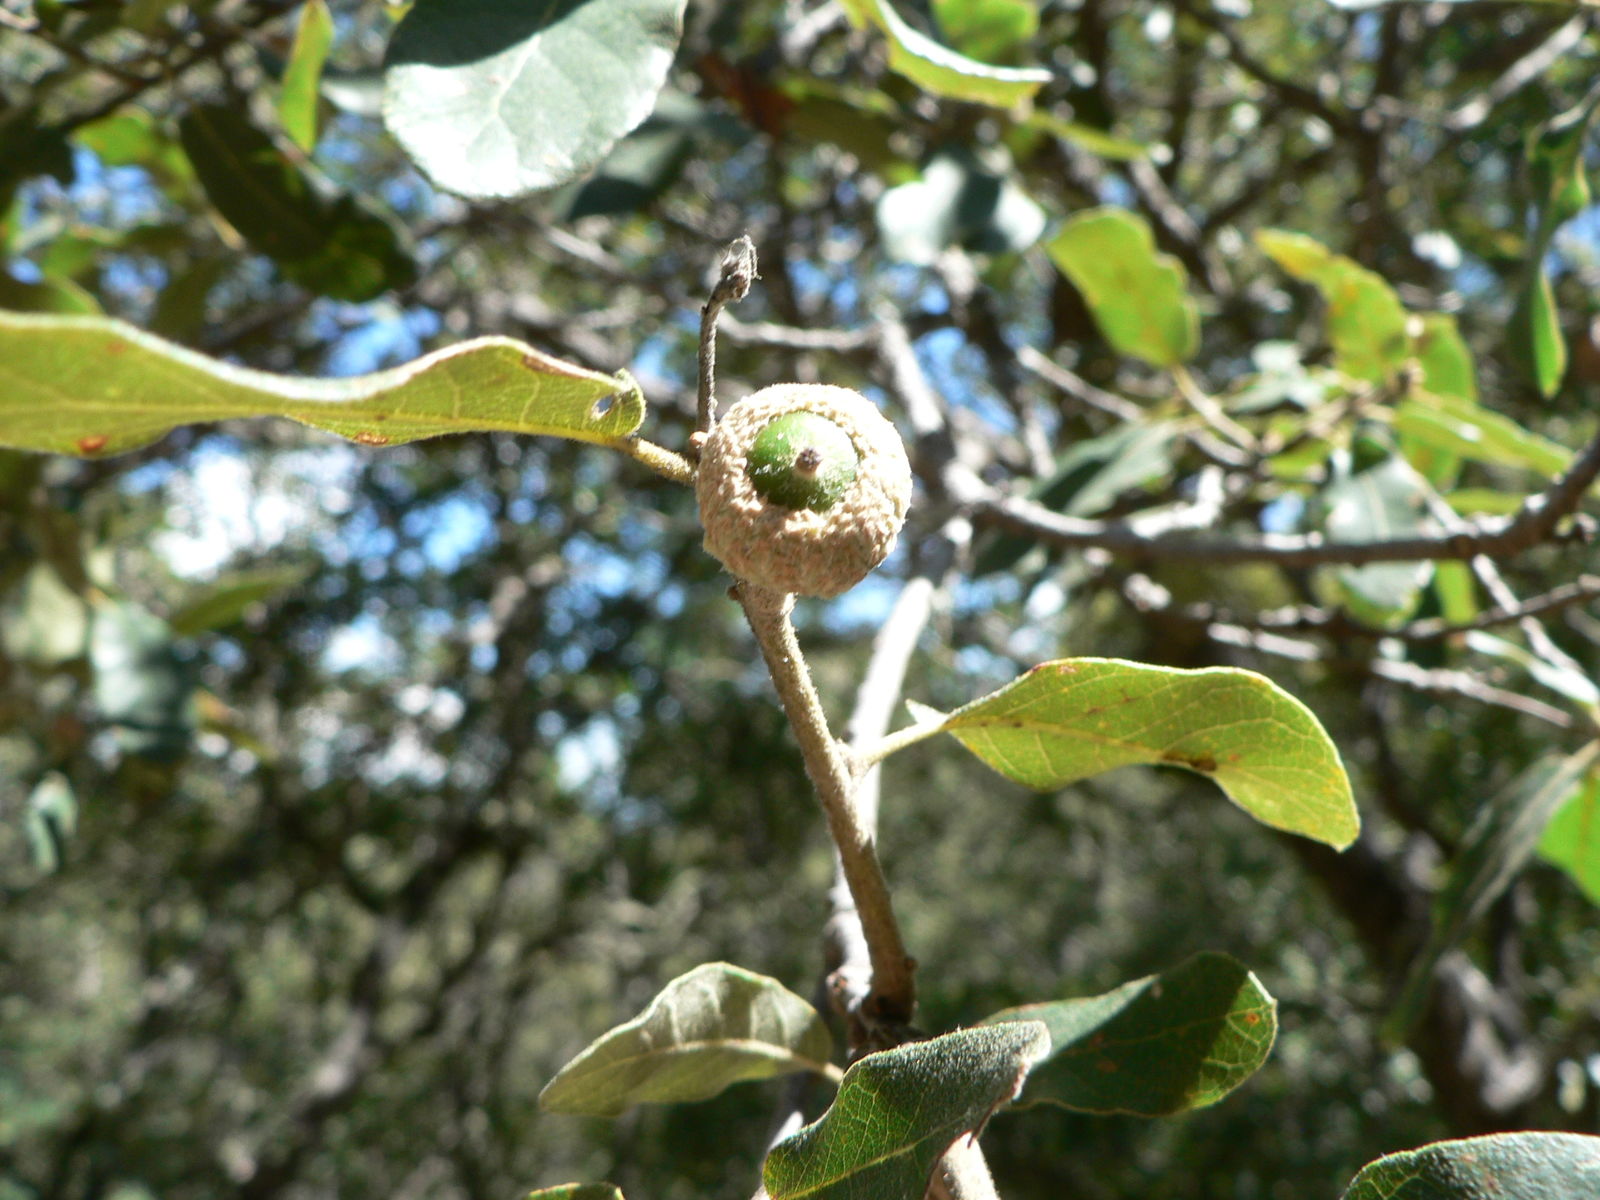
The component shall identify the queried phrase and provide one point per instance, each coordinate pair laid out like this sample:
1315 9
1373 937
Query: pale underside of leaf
712 1027
496 100
897 1112
1502 1166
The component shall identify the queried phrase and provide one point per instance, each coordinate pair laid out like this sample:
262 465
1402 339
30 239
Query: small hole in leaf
602 406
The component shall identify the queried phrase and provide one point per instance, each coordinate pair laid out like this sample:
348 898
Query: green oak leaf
335 245
987 28
715 1026
899 1110
1571 840
1449 423
1076 717
1447 370
95 386
1366 321
494 99
1501 1166
578 1191
226 600
1137 295
302 78
1163 1044
939 69
1535 330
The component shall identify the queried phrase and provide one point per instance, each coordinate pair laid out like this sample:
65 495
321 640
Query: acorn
802 488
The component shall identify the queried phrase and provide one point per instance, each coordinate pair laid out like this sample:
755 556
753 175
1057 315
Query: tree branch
1535 522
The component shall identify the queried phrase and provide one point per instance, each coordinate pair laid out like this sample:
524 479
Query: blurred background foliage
344 795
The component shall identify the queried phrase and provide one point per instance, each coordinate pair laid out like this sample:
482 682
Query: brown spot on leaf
92 444
116 348
1251 1018
367 438
1195 762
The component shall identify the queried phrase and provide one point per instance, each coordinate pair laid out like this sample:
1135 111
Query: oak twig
893 993
737 272
1536 522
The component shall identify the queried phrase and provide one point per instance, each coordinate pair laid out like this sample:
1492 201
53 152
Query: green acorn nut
802 460
802 488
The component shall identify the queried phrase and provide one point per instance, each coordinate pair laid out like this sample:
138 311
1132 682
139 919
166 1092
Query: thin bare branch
1473 112
1336 622
1537 521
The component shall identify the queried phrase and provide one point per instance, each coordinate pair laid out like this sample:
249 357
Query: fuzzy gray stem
893 994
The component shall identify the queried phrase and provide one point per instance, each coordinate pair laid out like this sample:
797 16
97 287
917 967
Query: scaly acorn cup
802 488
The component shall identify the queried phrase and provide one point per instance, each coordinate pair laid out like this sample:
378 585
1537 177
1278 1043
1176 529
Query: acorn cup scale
802 488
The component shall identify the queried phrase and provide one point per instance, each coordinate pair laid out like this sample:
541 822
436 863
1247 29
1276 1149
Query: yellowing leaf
1137 294
95 386
1366 321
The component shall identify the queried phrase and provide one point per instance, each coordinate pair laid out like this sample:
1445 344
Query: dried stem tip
802 488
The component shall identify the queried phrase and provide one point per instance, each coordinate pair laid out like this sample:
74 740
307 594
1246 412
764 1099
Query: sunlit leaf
1560 184
897 1112
1163 1044
494 99
1535 332
986 29
1447 370
1366 322
1086 137
132 137
939 69
45 295
1502 1166
1572 838
92 386
302 78
578 1191
1457 591
1478 434
716 1026
1076 717
1137 294
1495 849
